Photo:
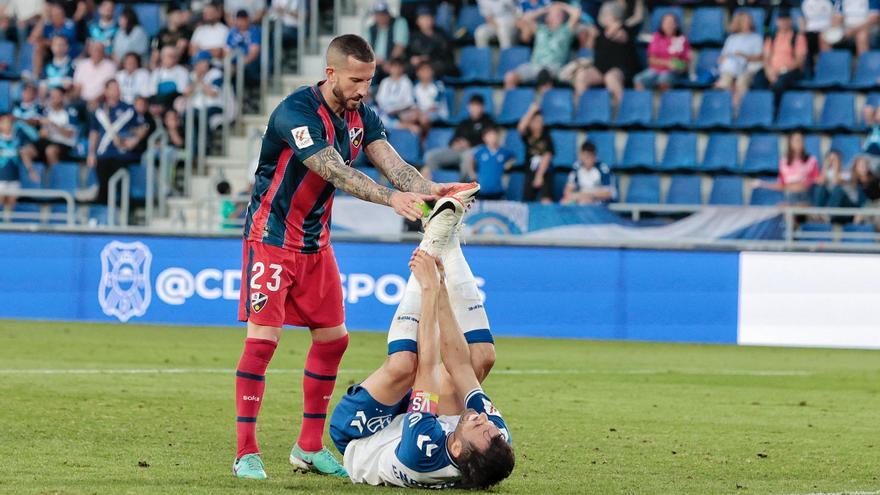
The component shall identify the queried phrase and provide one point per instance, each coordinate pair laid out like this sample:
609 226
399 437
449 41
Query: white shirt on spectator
431 98
210 36
498 8
394 96
133 85
199 99
287 5
176 75
856 12
750 44
92 78
23 9
817 14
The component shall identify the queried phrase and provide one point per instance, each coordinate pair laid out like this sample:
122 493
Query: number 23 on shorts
261 277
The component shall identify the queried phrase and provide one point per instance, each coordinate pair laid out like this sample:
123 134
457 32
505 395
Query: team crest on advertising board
258 301
356 135
124 291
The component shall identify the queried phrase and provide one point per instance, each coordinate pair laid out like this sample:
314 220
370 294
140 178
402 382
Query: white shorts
9 186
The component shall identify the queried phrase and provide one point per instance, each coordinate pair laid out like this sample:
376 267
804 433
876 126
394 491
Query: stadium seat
813 146
755 110
675 109
848 145
138 181
25 178
150 17
30 211
681 151
838 112
593 108
639 151
606 149
58 213
468 19
762 155
445 175
758 16
643 189
407 145
513 142
706 69
438 137
98 214
635 109
707 26
560 179
516 182
26 58
486 92
685 190
832 70
511 58
556 106
867 71
817 232
766 197
716 110
858 228
475 65
516 103
64 176
657 14
727 190
7 58
795 111
565 146
722 152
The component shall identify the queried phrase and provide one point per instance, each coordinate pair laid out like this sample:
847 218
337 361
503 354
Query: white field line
840 493
526 371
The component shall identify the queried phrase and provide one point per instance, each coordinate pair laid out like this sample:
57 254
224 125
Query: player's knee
482 359
402 366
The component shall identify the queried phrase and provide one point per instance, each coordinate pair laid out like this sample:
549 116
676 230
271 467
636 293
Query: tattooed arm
403 175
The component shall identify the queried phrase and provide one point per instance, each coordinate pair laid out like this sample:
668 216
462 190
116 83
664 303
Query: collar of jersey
337 120
446 451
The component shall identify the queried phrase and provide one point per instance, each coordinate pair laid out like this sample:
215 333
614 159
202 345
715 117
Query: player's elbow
482 359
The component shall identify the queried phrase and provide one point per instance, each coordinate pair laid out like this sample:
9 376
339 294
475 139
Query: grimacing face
475 430
350 83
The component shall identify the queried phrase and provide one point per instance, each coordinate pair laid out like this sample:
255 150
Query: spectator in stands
254 9
553 38
387 35
815 22
785 56
176 34
668 56
525 28
205 89
133 80
104 28
14 152
468 135
142 118
288 11
245 38
395 98
211 34
430 96
91 75
741 56
614 59
591 181
131 37
850 27
798 171
28 111
59 70
431 44
54 23
492 161
838 189
539 154
112 137
169 80
500 22
18 17
59 128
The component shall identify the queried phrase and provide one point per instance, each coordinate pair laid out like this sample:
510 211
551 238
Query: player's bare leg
319 378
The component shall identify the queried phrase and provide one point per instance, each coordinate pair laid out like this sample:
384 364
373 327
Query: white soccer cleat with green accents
446 217
321 462
249 466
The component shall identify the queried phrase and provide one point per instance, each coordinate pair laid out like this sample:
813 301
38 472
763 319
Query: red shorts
283 287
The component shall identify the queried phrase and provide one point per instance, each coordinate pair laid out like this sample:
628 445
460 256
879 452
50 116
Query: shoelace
253 463
329 459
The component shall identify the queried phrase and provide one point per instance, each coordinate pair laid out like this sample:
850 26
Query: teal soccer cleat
249 466
321 462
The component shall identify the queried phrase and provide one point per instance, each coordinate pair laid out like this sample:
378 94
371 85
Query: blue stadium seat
468 19
707 26
32 210
685 190
873 99
832 70
635 109
516 103
584 53
560 179
848 145
593 108
867 71
64 176
762 155
7 57
58 213
511 58
722 152
565 146
150 17
486 92
758 16
475 65
445 175
556 106
513 142
26 58
813 146
438 137
515 184
138 181
716 110
658 13
766 197
727 190
675 109
98 214
706 68
639 151
815 232
606 149
407 145
755 110
838 112
681 151
795 110
852 228
25 178
644 189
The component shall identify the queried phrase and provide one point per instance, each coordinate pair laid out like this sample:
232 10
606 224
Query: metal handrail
157 145
227 87
124 177
301 35
264 59
189 146
165 176
202 143
46 194
313 26
239 98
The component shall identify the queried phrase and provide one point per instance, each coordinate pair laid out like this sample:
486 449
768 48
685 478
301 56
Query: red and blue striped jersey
290 205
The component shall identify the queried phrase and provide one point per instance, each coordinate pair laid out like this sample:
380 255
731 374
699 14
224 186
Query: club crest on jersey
124 290
301 137
356 135
258 301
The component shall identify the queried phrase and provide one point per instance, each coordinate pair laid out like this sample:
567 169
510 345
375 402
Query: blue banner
681 296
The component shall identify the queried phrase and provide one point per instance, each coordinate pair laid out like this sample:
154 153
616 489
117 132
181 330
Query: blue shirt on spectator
59 73
243 40
104 34
10 160
68 30
526 5
119 120
490 168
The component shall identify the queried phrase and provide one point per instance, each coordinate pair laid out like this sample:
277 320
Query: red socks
321 367
249 386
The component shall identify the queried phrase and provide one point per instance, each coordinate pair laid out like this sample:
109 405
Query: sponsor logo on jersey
124 290
356 134
301 137
258 301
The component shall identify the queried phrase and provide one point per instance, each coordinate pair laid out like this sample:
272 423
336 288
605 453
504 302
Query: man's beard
347 103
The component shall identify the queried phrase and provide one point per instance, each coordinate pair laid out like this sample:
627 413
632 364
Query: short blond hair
739 22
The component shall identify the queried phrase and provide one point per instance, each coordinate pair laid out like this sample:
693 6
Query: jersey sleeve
422 443
374 130
480 402
298 124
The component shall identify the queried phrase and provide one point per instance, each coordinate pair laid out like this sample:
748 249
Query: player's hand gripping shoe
249 466
321 462
446 217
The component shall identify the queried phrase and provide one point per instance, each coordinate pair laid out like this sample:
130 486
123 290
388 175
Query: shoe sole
299 464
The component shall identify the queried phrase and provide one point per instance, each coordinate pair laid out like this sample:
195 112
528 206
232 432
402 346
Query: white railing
69 213
120 182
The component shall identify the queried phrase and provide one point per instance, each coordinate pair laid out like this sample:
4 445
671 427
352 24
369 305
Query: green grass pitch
586 417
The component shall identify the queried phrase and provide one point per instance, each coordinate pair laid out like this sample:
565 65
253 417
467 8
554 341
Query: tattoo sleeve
404 176
328 164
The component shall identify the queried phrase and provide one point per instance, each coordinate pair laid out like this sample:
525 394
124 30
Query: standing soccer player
289 272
